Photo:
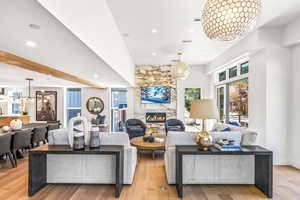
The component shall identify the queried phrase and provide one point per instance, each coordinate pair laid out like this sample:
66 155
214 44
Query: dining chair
39 135
5 144
52 126
21 140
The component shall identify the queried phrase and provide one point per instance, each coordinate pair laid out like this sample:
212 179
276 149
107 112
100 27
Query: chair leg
15 157
10 156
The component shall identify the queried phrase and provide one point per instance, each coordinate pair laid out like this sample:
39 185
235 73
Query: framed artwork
46 106
189 95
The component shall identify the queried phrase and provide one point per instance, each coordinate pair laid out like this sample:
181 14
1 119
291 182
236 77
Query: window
244 68
118 109
16 108
233 72
73 102
222 76
17 94
238 102
119 98
236 94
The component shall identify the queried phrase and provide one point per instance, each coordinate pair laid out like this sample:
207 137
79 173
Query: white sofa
79 168
220 169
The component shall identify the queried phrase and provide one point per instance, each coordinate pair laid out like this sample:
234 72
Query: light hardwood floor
149 184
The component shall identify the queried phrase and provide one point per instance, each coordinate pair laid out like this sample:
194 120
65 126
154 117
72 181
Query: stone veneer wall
150 75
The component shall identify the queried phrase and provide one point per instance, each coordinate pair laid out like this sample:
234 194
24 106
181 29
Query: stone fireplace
156 117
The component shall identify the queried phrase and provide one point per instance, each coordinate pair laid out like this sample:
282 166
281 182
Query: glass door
118 109
238 102
221 101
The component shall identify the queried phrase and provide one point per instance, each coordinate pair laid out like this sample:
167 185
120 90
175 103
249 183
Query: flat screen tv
156 94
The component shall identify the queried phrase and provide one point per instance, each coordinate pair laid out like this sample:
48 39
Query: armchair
174 125
135 128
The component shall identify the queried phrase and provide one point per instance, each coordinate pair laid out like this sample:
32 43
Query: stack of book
227 145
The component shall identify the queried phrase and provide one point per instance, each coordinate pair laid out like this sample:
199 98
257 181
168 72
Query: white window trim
226 68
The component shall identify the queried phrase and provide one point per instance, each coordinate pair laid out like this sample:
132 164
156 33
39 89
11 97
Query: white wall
294 108
257 98
291 33
278 70
196 79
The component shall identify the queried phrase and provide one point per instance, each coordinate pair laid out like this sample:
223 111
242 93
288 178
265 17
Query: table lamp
204 109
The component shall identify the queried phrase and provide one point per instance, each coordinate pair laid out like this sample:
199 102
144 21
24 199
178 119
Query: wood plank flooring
149 184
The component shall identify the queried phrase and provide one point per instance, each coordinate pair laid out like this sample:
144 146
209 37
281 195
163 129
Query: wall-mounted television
156 94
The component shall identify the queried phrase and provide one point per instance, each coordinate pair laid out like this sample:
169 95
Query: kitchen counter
6 119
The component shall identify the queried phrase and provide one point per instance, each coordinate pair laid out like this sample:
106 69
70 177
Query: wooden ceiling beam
12 59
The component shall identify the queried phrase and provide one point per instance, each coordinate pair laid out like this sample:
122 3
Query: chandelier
180 70
229 19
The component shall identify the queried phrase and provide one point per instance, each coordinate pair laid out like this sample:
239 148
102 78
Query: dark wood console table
38 164
263 165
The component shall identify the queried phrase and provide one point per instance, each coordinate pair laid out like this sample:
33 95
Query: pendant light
180 69
29 97
227 20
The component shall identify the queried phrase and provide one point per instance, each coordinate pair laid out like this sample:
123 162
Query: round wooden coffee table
139 143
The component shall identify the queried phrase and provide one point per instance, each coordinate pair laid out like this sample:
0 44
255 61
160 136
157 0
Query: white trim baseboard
296 164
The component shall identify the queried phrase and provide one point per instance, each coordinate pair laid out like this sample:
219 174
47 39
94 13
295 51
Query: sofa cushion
134 126
180 138
220 126
115 139
174 128
189 138
230 135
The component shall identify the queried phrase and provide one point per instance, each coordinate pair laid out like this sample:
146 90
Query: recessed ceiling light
187 41
96 76
34 26
31 44
192 30
154 53
154 31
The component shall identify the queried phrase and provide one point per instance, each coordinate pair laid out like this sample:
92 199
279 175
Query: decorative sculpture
78 136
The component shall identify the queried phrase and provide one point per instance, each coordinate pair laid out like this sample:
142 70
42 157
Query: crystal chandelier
180 70
229 19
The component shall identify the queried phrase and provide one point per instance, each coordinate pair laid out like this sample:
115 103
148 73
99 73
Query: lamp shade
204 109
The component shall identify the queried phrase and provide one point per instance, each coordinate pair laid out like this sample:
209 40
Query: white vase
5 128
16 124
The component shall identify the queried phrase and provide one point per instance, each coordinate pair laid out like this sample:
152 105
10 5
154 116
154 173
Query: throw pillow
226 130
235 123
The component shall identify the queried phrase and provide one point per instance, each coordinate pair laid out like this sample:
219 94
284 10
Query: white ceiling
92 22
57 47
173 20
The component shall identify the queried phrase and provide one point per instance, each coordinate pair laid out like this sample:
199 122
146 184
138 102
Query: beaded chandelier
180 70
229 19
